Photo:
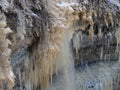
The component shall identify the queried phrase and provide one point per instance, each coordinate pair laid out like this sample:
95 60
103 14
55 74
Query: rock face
43 31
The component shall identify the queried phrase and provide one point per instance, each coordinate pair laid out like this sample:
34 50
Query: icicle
7 30
100 33
117 35
76 43
101 54
119 56
2 24
109 38
105 57
91 33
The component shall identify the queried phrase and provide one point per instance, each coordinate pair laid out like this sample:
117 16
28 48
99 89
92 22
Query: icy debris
116 2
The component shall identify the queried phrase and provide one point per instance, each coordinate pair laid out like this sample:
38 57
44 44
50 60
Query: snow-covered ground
99 76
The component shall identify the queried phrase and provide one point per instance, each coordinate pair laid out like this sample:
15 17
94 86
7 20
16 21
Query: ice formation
41 40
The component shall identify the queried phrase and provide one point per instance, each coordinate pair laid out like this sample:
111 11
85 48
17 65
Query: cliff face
47 33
